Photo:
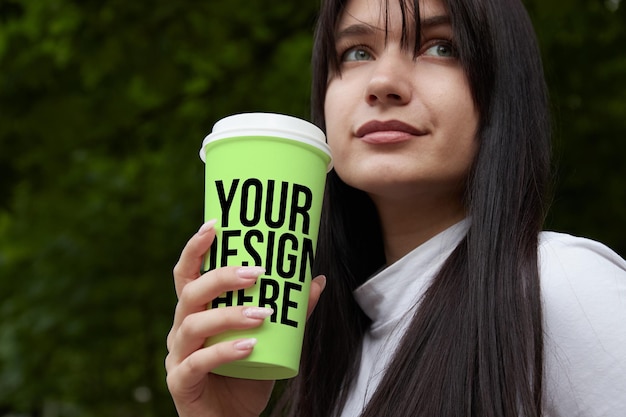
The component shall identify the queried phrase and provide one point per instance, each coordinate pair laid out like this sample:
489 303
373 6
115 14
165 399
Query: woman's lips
393 131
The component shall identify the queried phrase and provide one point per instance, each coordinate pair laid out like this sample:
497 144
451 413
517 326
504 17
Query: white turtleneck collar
394 290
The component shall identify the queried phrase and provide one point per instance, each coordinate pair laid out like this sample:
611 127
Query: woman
444 298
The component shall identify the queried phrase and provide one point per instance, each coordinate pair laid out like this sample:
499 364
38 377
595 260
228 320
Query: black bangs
410 37
410 26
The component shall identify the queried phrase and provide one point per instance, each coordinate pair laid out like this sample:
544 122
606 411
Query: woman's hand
195 390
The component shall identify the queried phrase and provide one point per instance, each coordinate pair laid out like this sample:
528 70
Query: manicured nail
258 312
245 344
321 280
250 272
207 226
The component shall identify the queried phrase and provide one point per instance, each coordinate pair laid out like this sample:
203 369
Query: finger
317 286
197 294
190 262
184 378
196 328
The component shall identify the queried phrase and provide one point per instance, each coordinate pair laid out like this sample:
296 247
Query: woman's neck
406 226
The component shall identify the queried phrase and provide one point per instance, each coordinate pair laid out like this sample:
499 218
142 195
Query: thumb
317 286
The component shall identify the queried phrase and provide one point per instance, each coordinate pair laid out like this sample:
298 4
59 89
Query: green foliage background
103 106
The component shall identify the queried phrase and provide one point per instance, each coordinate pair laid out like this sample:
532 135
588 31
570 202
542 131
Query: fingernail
250 272
258 312
207 226
321 280
245 344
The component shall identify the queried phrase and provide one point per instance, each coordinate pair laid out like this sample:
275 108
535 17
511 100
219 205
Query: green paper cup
265 178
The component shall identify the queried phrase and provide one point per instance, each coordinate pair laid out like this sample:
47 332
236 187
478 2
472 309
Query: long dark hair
474 346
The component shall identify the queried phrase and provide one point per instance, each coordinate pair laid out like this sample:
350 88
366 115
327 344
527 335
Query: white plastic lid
268 124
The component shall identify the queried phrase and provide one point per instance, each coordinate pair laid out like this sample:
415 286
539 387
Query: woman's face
399 126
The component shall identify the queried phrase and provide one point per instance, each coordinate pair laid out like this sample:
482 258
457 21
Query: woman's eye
443 50
356 54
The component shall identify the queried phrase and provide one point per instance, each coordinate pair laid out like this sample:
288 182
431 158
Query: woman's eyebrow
363 29
437 20
358 29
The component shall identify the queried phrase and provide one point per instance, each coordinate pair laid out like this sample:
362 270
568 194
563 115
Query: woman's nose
390 81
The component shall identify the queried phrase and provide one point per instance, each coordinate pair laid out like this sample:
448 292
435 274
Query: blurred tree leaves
103 106
582 43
